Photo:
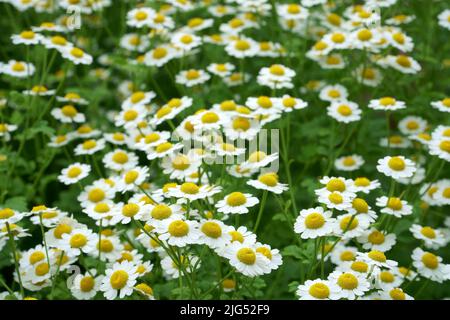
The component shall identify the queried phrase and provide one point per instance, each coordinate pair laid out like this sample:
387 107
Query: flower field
224 149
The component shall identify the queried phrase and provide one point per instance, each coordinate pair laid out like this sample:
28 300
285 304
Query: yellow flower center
131 176
428 232
77 52
347 255
141 15
349 161
87 284
364 35
269 179
397 294
246 256
319 291
377 256
42 269
396 163
159 53
242 45
61 229
189 188
347 281
241 123
403 61
96 195
18 67
236 236
102 208
338 38
6 213
59 41
236 199
347 223
334 19
395 203
320 45
445 146
359 266
130 210
120 157
264 102
333 93
161 212
386 277
210 117
265 251
78 240
192 74
376 237
69 111
314 220
277 70
360 205
178 228
335 197
212 229
181 162
74 172
344 110
430 260
186 39
36 257
27 35
118 279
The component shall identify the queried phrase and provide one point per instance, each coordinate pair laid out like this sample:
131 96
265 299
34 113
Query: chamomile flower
78 241
192 77
351 283
185 41
221 69
138 98
318 290
432 238
120 160
274 256
412 125
396 167
242 48
442 105
395 294
386 104
85 286
360 206
313 223
374 239
191 191
440 148
119 280
179 232
351 225
333 93
128 211
269 182
246 259
132 178
76 55
404 64
430 266
74 173
27 37
39 90
68 114
163 149
159 56
18 69
344 111
276 76
236 203
394 206
140 17
5 129
377 258
288 103
387 279
214 233
349 163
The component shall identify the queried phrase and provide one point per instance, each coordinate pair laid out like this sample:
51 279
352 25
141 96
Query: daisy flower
351 283
138 98
27 37
344 111
185 41
246 259
119 160
396 167
78 241
442 105
394 206
430 266
377 258
191 191
386 104
76 55
412 125
68 114
159 56
179 232
432 238
74 173
404 64
240 127
214 233
318 290
18 69
192 77
395 294
236 203
288 103
313 223
440 148
376 240
163 149
268 181
349 163
333 93
132 178
273 255
140 17
242 48
221 69
350 226
119 280
85 286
